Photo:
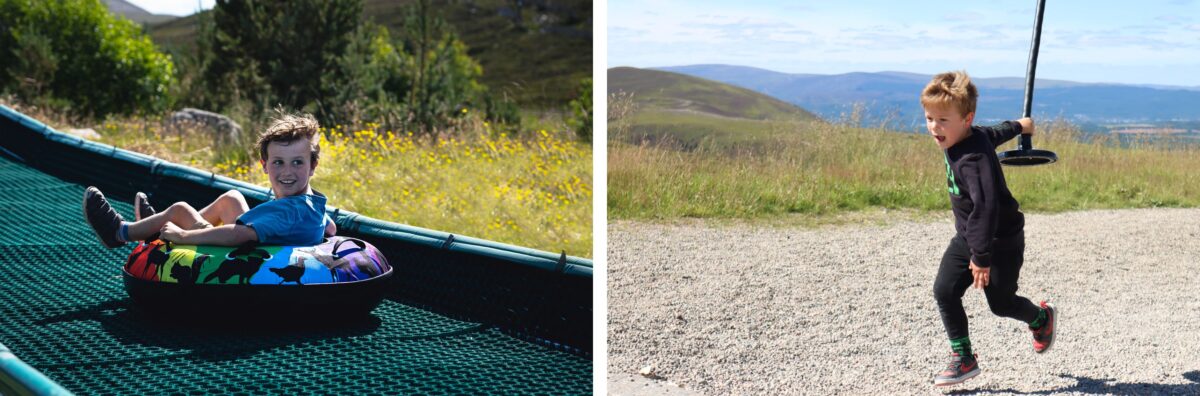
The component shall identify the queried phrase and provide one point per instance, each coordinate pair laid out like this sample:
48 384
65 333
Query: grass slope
694 131
536 55
826 171
654 89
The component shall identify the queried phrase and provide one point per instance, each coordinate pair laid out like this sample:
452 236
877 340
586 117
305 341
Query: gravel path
849 309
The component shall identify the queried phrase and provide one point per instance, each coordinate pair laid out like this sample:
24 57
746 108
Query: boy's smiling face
947 125
289 166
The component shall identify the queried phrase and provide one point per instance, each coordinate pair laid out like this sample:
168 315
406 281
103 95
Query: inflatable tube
341 276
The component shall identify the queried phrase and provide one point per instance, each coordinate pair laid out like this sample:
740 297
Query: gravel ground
849 309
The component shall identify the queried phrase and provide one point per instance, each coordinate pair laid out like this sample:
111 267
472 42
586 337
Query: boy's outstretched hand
983 276
1026 125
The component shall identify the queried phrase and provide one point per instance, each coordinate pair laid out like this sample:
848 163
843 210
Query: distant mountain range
894 96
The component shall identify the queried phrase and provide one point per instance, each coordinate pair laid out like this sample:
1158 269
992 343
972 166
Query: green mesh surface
64 311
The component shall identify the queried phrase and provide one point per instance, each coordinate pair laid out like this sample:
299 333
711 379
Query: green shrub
419 79
444 78
502 111
75 53
580 117
369 74
274 52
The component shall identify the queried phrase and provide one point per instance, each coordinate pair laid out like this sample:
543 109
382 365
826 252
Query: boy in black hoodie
988 248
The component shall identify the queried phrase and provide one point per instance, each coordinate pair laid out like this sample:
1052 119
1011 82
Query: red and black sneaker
1043 337
961 368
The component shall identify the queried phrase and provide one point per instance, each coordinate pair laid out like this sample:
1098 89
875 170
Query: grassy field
664 165
534 190
689 130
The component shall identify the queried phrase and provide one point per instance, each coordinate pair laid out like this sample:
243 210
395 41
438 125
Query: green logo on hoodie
952 186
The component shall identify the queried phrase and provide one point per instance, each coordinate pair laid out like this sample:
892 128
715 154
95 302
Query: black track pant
954 277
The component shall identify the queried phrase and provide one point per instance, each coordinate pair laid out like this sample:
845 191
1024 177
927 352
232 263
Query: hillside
653 89
689 113
535 53
893 96
135 13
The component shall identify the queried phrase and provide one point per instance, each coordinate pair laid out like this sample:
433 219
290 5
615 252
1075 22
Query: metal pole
1031 71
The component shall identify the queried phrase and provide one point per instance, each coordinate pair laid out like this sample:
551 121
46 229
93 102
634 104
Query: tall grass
658 170
533 190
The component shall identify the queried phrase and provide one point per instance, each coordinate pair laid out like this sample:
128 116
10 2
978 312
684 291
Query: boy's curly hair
289 127
951 89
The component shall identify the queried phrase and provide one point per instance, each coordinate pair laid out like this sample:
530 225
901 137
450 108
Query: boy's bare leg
182 214
225 209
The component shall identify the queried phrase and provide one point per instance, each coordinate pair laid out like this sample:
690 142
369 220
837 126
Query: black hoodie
985 212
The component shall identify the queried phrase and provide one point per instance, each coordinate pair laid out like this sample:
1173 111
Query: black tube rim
1027 157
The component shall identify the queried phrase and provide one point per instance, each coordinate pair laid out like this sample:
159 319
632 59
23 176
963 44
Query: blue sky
173 7
1133 42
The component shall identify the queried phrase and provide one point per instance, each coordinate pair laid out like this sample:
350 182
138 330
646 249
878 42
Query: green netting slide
461 315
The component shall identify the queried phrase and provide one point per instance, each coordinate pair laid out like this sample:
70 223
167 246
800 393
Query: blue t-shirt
298 220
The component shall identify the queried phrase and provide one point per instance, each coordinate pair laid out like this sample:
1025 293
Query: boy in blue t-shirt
288 153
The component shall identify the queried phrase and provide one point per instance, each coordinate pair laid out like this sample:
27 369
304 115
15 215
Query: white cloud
1173 19
966 16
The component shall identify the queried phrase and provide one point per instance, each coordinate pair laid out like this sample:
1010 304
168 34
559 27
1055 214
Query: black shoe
961 368
141 207
104 220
